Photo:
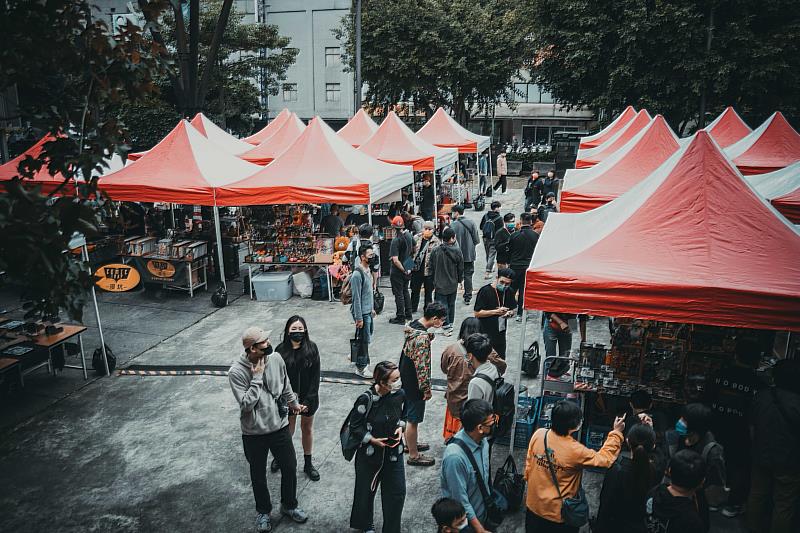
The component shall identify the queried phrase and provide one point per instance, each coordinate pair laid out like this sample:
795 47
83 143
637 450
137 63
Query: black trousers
536 524
256 450
390 475
418 281
469 270
501 182
402 298
498 341
518 288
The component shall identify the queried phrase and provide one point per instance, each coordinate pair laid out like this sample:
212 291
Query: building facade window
333 92
333 56
289 92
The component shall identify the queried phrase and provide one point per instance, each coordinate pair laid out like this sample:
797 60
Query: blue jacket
361 286
458 478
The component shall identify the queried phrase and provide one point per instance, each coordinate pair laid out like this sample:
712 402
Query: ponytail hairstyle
382 371
642 440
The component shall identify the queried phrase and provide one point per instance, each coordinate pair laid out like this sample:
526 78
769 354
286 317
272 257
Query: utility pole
357 102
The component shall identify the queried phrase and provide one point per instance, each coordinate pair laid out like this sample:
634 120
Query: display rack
173 263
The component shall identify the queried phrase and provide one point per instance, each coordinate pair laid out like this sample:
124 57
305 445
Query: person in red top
568 457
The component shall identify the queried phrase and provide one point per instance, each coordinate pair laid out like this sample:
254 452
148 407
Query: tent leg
369 213
97 316
518 379
414 194
435 200
219 248
172 212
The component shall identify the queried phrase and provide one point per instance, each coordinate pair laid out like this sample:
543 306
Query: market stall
589 188
728 128
591 141
319 167
43 178
218 136
267 131
782 189
443 131
358 129
671 254
588 157
772 146
281 139
394 142
184 168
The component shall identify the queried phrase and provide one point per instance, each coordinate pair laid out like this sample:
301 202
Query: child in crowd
673 507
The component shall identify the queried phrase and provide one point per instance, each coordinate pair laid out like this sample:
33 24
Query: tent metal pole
518 378
85 252
172 212
491 184
369 212
414 193
435 198
219 245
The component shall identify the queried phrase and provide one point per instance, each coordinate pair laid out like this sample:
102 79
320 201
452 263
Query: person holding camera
377 422
262 389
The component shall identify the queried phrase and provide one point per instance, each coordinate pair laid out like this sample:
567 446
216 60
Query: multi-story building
317 83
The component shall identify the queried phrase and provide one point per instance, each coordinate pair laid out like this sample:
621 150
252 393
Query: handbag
378 301
349 443
574 511
496 504
97 361
356 346
531 360
510 483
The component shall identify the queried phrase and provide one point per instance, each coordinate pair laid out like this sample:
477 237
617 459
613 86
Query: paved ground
164 454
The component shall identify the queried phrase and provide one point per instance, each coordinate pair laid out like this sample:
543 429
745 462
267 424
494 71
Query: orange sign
117 277
160 268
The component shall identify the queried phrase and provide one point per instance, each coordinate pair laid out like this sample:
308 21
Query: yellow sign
117 277
160 268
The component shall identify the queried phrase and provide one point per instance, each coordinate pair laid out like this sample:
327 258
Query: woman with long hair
455 364
626 484
303 368
376 423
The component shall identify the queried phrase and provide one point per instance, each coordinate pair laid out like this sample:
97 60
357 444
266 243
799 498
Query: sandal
421 447
421 460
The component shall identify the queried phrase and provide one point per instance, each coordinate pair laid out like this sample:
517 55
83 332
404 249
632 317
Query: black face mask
267 350
297 336
373 261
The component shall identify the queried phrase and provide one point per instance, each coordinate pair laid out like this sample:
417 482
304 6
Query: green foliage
233 98
606 54
69 71
461 54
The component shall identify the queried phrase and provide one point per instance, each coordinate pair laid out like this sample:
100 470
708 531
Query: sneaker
365 372
262 523
732 510
519 318
488 275
467 301
296 514
311 472
397 320
274 465
447 332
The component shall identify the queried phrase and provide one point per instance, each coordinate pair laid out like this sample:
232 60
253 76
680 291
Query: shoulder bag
574 511
349 446
494 509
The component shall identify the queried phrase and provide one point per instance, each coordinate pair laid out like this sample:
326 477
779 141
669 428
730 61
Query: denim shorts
414 411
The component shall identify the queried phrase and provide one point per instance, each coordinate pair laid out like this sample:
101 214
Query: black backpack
97 361
479 204
502 404
349 443
488 228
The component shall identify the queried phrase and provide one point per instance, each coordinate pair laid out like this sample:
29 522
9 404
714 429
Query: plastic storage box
272 286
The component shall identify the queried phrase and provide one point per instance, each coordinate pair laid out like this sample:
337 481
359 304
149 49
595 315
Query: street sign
117 277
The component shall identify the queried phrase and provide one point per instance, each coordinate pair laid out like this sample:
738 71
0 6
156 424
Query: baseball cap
398 221
551 195
253 335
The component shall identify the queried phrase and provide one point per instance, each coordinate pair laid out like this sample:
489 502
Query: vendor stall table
251 264
168 271
59 339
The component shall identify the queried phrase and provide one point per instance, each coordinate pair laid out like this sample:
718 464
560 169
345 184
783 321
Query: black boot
309 469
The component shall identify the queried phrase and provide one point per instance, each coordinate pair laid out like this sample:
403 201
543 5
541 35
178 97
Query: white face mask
396 385
462 525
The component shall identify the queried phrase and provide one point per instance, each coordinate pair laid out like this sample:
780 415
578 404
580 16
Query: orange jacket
569 457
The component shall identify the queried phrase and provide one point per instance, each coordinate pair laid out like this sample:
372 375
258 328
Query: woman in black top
626 484
302 365
376 420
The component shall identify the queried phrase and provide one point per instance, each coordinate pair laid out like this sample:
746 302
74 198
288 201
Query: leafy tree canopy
606 54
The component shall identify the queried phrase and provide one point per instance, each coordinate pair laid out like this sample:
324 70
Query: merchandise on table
286 234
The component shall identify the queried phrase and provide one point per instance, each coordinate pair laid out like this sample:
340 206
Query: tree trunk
213 52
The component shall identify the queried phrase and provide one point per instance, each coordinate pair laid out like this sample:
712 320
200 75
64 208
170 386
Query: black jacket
619 509
666 513
502 240
447 268
304 373
521 247
544 211
381 421
776 438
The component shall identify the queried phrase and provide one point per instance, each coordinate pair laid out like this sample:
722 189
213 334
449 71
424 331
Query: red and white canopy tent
266 132
218 136
442 130
358 129
394 142
725 267
319 166
588 188
772 146
184 168
728 128
591 156
782 189
277 143
43 178
591 141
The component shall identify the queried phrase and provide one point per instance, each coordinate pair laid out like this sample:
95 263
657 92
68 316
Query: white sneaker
366 373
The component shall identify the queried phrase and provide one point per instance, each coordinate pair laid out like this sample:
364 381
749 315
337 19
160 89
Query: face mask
372 261
462 525
297 336
396 385
501 287
489 430
680 428
511 227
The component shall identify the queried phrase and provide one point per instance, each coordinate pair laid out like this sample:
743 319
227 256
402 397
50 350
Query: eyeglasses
489 422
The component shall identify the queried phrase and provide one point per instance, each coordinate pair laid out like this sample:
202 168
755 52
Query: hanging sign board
155 270
117 277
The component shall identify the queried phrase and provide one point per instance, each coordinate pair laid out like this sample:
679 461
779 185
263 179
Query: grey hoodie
447 268
258 408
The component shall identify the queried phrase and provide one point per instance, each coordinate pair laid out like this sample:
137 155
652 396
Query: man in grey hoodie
264 394
467 239
447 269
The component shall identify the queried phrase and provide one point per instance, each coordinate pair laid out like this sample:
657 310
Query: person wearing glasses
459 480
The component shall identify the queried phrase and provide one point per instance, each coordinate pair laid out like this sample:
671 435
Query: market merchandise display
286 234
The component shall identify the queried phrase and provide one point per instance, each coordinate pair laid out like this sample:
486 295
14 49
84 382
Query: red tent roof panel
774 145
358 129
264 133
592 141
442 130
277 143
728 128
589 158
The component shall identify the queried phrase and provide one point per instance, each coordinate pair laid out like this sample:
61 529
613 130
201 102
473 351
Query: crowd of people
734 452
